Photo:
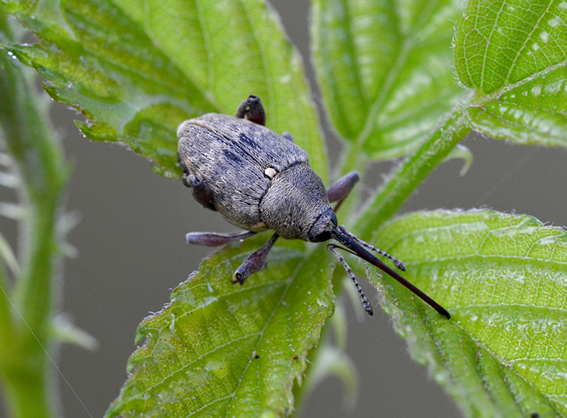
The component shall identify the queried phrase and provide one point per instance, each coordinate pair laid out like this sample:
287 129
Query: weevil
259 180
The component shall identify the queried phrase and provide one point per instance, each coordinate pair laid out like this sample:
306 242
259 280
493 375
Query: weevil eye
334 219
323 236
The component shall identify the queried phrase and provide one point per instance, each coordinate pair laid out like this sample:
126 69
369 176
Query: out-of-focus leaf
7 255
136 72
503 278
331 361
64 330
514 55
385 69
219 349
463 153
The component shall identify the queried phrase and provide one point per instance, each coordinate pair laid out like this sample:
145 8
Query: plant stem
411 173
26 395
43 172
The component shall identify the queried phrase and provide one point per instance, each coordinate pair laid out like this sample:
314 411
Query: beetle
259 180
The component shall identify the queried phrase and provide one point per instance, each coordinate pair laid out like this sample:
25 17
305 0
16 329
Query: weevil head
322 229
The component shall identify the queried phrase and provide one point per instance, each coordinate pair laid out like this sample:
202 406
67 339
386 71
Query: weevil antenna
358 250
399 264
365 303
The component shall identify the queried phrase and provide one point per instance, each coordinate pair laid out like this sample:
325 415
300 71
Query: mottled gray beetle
260 180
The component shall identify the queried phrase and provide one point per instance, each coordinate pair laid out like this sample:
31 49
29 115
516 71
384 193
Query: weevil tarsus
255 262
253 109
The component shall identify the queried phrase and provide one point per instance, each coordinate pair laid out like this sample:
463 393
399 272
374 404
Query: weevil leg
398 263
365 303
340 190
255 262
201 192
288 136
253 109
212 239
185 171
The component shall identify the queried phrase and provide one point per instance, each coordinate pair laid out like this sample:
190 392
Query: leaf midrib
351 47
529 37
511 306
405 48
201 357
150 34
476 344
485 55
261 333
128 69
459 257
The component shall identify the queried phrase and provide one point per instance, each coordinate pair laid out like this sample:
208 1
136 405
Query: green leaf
199 355
137 72
385 69
512 53
503 279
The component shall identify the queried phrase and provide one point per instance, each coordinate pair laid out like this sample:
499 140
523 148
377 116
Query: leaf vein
403 52
206 43
261 333
200 357
485 55
458 257
527 38
268 78
481 306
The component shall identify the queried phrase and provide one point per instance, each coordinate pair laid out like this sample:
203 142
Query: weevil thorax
296 205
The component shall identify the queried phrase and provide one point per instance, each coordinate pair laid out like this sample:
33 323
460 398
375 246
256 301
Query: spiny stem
410 174
44 172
